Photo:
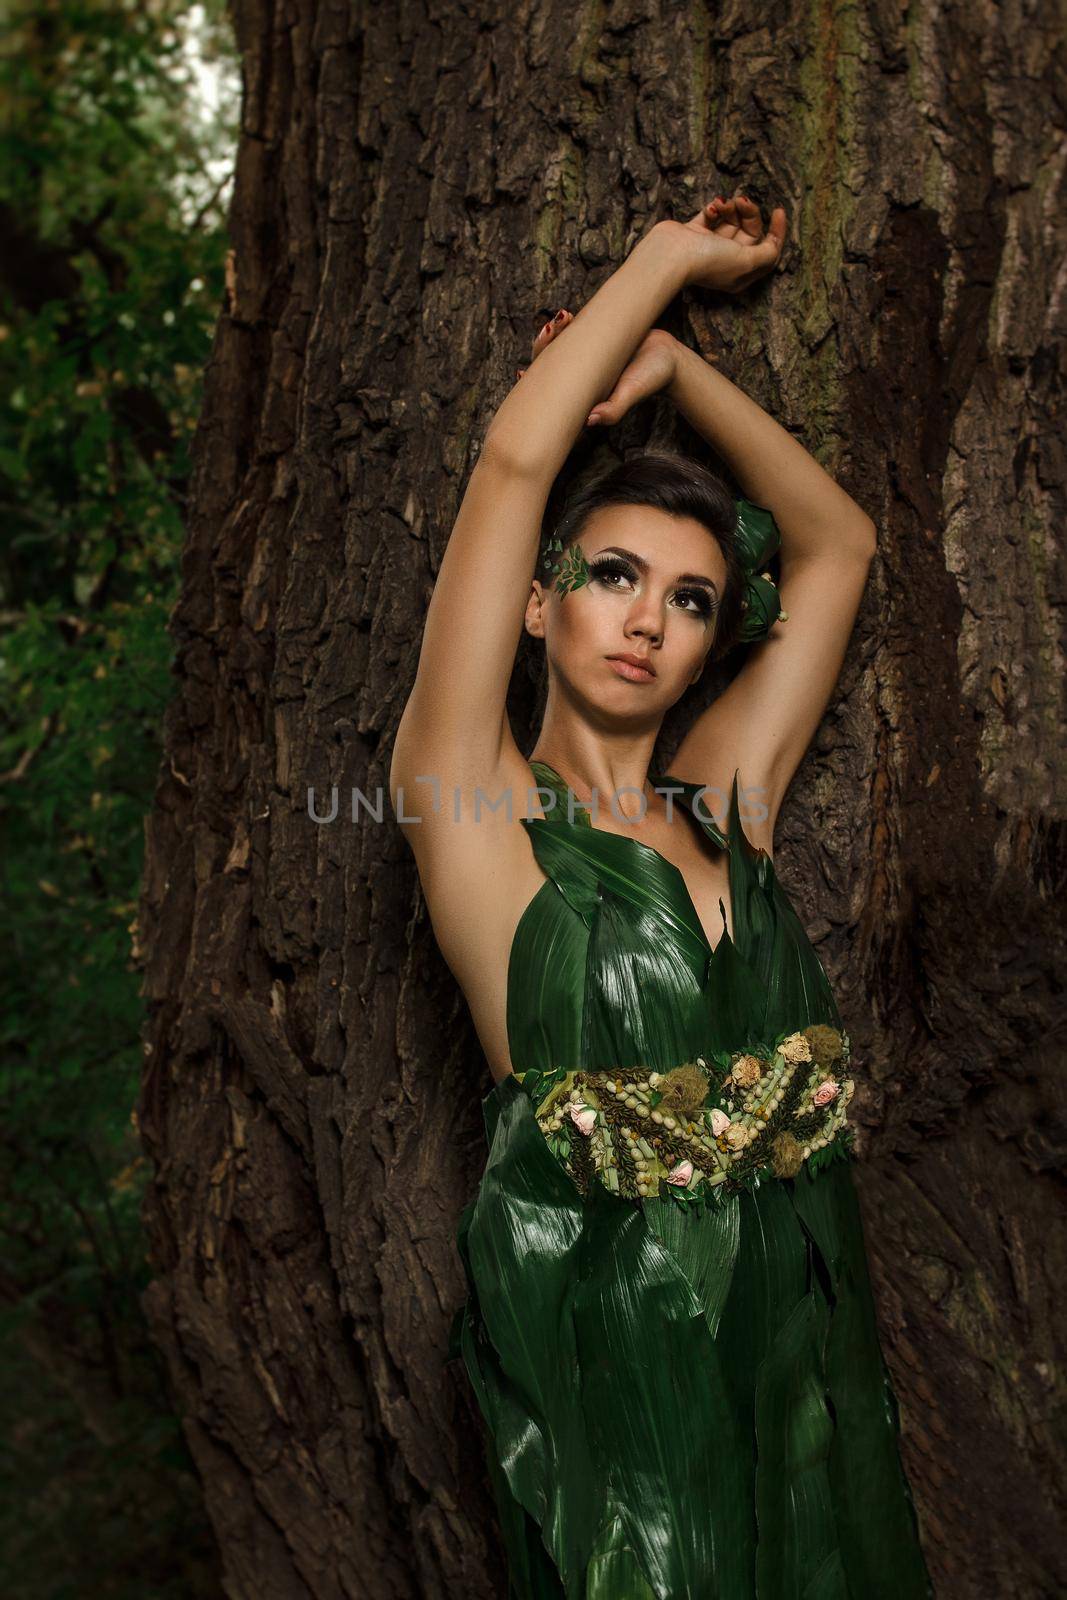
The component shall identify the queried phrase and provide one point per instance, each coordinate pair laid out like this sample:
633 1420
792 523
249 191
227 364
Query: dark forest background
248 359
116 156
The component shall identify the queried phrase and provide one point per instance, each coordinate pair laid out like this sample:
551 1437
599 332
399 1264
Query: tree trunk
416 192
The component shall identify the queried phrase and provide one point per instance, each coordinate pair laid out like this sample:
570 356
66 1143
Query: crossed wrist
677 239
666 242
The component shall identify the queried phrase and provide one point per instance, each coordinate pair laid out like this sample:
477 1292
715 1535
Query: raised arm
765 719
816 517
456 714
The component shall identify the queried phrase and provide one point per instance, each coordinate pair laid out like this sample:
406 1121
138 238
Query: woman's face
653 593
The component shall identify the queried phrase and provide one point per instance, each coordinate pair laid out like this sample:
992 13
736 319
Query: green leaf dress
683 1388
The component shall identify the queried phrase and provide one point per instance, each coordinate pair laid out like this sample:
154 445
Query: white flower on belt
583 1117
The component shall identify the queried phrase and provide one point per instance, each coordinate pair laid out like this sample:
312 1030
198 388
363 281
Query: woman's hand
650 368
727 244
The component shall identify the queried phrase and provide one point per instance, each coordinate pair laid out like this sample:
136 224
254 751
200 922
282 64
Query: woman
669 1326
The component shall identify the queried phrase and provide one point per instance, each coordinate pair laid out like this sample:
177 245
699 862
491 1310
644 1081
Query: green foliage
840 1148
113 186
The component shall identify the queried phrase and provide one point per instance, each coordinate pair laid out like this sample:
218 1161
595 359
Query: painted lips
631 670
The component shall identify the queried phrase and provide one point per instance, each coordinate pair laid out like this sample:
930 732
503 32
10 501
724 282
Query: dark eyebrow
642 566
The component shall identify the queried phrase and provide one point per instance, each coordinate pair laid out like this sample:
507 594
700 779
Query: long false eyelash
705 604
615 565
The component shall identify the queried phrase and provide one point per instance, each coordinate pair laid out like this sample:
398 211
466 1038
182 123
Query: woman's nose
646 618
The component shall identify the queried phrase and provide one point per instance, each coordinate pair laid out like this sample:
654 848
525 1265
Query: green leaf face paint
554 545
572 572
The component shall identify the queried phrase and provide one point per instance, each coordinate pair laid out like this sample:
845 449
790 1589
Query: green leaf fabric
681 1402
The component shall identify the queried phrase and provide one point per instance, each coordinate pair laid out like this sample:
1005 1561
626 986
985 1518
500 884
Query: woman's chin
624 708
603 692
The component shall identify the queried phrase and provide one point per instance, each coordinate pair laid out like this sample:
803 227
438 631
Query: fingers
611 410
767 247
748 216
544 338
777 226
739 215
561 320
702 214
738 220
751 219
717 212
741 218
605 412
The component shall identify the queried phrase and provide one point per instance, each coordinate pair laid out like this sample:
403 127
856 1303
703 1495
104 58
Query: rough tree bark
417 188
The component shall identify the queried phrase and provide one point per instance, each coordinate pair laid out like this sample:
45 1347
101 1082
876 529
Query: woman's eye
607 570
696 601
701 603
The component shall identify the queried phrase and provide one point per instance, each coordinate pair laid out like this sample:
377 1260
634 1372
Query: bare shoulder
477 870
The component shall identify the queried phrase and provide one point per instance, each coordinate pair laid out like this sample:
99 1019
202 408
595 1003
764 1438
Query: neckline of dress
659 781
710 827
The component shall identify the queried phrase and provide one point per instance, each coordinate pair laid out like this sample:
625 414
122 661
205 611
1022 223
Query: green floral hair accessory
757 539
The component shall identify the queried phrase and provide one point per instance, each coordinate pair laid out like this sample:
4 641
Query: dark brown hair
682 488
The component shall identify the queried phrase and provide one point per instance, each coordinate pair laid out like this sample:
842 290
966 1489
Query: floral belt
705 1129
